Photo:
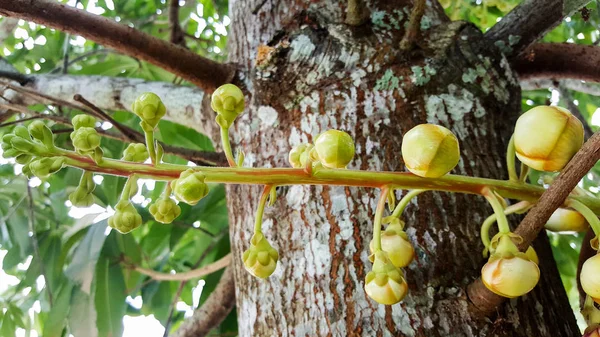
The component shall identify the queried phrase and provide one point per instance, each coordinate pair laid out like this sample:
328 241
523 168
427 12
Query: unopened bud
394 242
228 102
385 283
165 210
190 187
566 220
83 121
125 219
85 139
149 108
430 150
590 277
136 152
261 258
334 148
44 167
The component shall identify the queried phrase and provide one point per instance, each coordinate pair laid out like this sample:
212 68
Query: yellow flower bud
385 283
590 277
261 258
299 155
394 242
592 331
547 137
430 150
508 272
566 220
334 148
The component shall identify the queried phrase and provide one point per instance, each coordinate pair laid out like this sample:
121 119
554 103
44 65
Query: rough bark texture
315 73
184 104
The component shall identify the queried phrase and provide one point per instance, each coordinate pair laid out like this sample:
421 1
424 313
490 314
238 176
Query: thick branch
214 310
575 85
528 22
184 104
201 71
559 61
486 301
188 275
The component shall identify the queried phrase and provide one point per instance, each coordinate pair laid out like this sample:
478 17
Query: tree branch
559 61
177 36
414 25
214 310
574 109
188 275
486 301
575 85
528 22
205 73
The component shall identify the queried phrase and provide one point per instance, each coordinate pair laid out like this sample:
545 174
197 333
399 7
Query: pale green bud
334 148
149 107
80 198
165 210
85 139
299 155
228 102
385 283
23 158
590 277
566 220
430 150
41 132
394 242
83 121
261 258
21 131
190 187
22 144
508 272
547 137
44 167
136 152
125 219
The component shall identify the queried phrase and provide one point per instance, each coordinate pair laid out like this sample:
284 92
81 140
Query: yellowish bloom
385 283
566 220
590 277
430 150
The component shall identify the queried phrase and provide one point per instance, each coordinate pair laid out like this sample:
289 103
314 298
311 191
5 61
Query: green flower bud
9 153
83 121
385 283
260 259
566 220
228 102
430 150
165 210
299 155
125 219
85 139
41 132
149 108
22 144
44 167
26 171
334 148
547 137
508 272
190 187
136 152
590 277
81 198
23 159
394 242
21 131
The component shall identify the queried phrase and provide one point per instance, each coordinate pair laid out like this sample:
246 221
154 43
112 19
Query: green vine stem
261 208
405 201
150 144
587 213
322 176
485 227
227 146
378 216
498 210
510 160
524 173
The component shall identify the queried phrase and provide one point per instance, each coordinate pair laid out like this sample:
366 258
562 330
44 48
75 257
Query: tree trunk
308 72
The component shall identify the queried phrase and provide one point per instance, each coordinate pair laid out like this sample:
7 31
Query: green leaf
109 298
57 319
82 317
81 269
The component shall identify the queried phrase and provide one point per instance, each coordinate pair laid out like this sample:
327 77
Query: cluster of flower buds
332 149
190 187
126 217
85 138
83 195
508 272
430 150
136 152
547 137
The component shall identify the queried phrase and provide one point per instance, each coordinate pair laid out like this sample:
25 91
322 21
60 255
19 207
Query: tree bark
317 74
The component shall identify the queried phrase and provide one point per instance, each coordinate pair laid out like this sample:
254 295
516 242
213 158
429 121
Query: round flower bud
85 139
22 144
125 219
190 187
430 150
23 159
228 102
547 137
83 121
44 167
260 259
590 277
508 272
334 148
149 108
566 220
165 210
394 242
22 132
385 283
41 132
299 155
136 152
81 198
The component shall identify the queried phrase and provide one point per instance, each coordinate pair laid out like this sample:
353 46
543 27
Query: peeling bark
321 74
184 104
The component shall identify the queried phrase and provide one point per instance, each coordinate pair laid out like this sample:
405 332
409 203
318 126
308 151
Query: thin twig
20 121
18 77
568 98
130 134
486 301
84 56
36 248
414 25
14 209
177 36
